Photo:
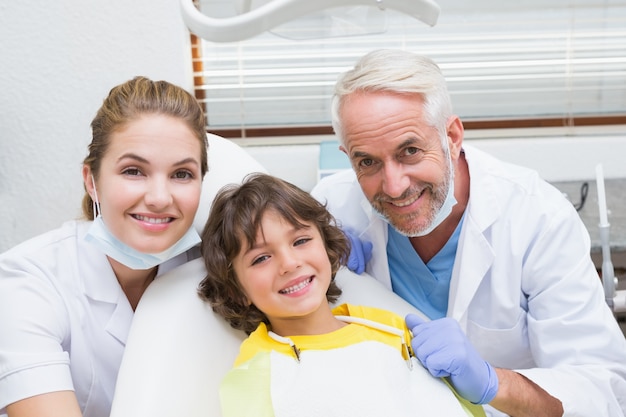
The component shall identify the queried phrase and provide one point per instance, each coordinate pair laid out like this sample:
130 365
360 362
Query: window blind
528 60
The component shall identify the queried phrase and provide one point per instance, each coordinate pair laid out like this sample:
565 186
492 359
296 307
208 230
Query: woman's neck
133 281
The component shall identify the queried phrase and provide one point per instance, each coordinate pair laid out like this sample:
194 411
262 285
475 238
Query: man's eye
411 151
411 155
368 166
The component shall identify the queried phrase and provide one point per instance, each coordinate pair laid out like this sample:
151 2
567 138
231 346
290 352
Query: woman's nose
158 193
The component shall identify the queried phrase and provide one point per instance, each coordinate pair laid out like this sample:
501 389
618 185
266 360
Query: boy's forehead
272 218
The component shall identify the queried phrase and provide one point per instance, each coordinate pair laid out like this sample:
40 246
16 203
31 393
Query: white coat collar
475 256
483 205
102 288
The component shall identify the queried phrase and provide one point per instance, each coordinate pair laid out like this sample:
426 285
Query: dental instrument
609 281
616 300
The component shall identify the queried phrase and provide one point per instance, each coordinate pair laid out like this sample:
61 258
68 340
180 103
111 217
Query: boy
271 253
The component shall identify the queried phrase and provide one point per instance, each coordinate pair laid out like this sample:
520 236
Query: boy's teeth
296 287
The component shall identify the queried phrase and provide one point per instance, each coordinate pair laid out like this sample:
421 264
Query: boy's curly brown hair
234 220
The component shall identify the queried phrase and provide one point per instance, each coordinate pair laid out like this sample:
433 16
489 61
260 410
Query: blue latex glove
443 349
360 253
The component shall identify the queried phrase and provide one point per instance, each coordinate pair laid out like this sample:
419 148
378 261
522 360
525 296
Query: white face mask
100 235
443 212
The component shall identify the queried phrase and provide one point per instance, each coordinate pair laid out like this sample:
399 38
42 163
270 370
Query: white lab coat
523 288
64 319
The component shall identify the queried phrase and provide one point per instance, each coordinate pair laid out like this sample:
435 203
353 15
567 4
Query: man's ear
455 133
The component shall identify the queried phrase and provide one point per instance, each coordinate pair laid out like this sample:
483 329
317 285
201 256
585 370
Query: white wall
58 60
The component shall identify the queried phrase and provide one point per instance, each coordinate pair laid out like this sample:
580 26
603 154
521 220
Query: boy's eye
260 259
301 241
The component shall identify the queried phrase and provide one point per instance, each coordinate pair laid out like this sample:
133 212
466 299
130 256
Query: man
496 257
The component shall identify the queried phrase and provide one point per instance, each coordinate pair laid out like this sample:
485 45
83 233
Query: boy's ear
240 295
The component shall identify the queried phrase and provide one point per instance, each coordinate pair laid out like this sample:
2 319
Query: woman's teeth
152 220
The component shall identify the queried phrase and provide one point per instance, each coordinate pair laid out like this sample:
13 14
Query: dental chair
178 350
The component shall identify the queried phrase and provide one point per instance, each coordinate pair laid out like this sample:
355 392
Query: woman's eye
183 175
131 171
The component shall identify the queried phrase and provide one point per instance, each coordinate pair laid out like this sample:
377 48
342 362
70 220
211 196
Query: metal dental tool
609 281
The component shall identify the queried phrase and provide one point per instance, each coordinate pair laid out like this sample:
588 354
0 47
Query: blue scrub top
425 286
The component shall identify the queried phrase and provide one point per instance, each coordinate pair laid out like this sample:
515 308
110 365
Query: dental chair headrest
228 163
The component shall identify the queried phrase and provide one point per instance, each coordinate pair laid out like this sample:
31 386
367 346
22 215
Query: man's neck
430 245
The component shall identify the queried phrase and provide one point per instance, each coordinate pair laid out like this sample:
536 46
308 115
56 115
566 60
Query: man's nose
395 181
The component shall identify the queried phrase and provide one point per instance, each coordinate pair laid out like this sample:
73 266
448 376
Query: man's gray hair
396 71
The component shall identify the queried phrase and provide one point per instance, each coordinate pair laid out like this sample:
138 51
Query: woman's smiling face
149 182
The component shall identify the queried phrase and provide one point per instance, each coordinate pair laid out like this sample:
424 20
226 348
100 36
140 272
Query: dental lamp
253 22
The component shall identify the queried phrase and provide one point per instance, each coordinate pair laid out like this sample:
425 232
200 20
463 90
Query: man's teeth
296 287
405 203
153 220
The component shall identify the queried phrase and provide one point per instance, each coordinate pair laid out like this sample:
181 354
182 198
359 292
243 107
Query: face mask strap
95 202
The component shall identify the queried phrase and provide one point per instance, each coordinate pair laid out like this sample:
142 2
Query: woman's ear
88 180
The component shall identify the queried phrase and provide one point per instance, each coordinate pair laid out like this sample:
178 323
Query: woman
67 297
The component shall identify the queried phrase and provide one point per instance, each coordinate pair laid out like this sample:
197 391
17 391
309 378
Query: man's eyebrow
408 142
359 154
